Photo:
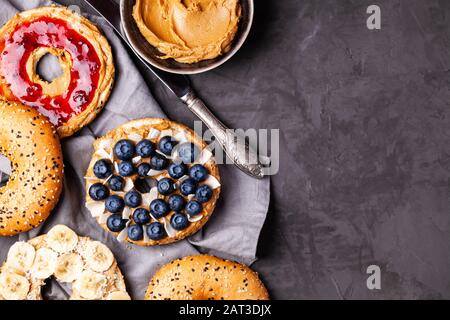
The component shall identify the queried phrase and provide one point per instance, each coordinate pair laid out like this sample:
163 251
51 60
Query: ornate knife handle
239 151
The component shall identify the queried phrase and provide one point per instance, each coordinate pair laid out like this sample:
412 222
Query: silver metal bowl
152 55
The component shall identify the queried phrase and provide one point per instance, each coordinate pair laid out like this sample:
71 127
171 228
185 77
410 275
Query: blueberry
135 232
156 231
116 183
188 186
198 172
143 169
133 199
98 192
103 168
159 162
145 149
176 202
188 152
179 221
203 193
126 168
141 216
114 204
166 186
166 145
124 149
115 223
159 208
193 208
176 171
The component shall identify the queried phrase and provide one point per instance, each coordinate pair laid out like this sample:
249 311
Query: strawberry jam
16 49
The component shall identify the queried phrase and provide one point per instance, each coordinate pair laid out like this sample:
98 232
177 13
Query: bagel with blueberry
152 181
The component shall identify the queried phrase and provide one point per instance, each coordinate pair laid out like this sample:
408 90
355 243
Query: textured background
365 131
365 128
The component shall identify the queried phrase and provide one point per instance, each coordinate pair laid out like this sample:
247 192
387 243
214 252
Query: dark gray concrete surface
365 131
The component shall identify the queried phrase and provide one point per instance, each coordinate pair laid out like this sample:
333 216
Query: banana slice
44 263
98 256
91 285
21 256
62 239
118 295
69 267
13 286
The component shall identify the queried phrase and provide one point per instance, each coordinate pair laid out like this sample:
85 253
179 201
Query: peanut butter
188 30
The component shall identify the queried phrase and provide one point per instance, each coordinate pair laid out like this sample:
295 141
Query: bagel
73 99
31 143
86 264
205 277
160 219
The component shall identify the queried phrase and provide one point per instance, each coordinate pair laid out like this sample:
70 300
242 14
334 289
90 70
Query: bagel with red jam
87 265
73 99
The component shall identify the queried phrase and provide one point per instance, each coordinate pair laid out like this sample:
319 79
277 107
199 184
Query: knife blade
110 10
237 149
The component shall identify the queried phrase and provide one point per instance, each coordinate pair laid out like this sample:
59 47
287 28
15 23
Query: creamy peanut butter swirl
188 30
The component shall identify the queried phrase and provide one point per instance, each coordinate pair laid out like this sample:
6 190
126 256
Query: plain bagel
31 143
205 277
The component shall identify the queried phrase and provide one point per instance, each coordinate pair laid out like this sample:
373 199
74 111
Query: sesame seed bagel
88 265
205 277
73 99
31 144
153 130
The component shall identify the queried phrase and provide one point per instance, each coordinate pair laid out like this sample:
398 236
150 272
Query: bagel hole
5 170
48 67
54 290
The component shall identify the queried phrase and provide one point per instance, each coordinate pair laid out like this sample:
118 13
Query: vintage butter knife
243 156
